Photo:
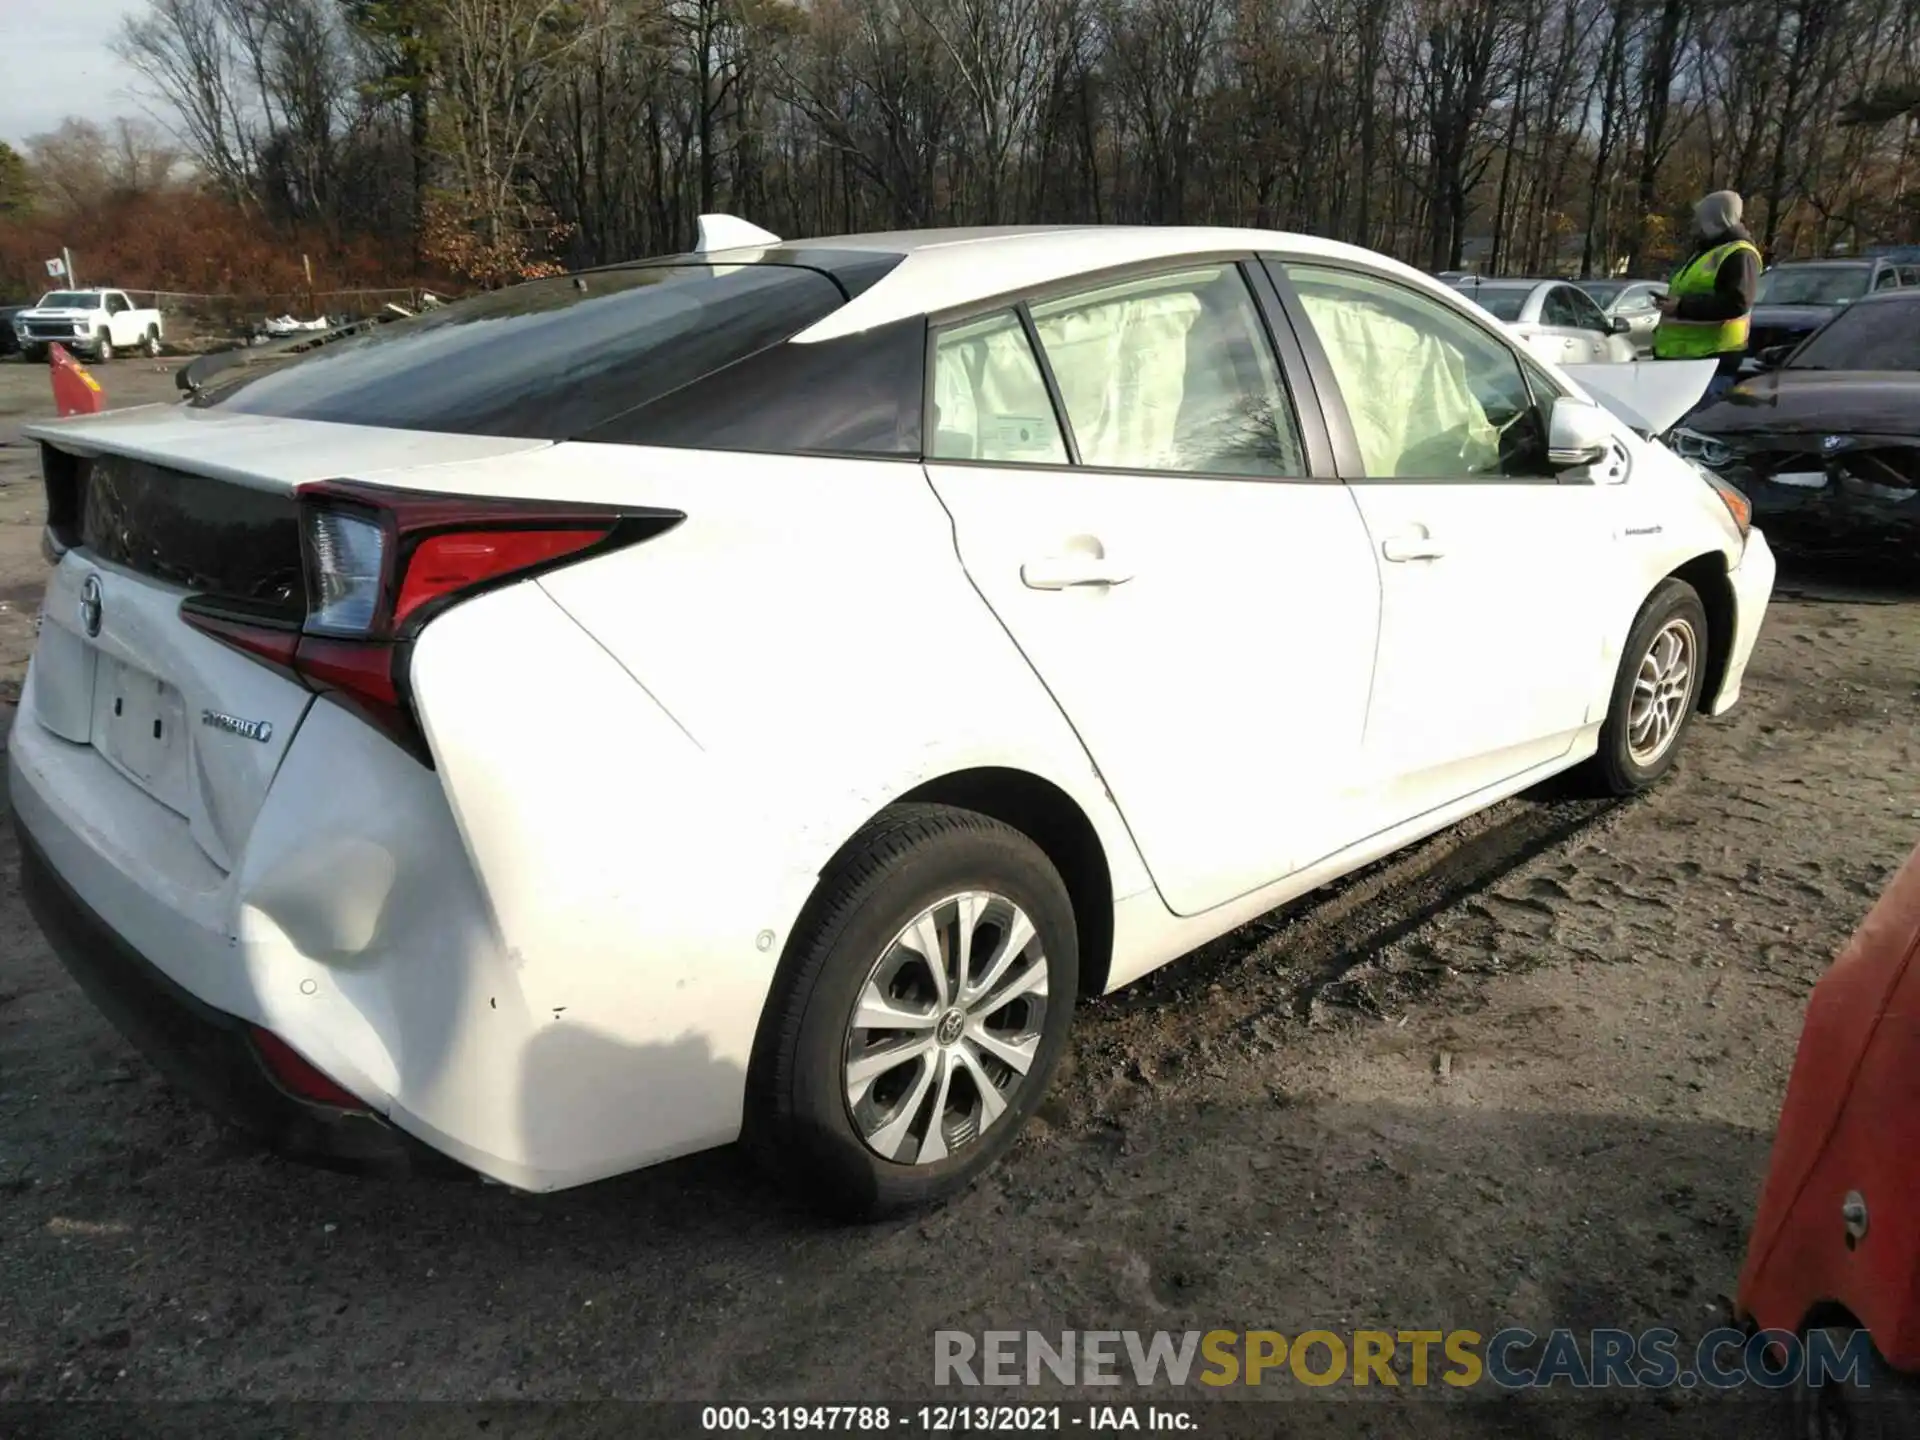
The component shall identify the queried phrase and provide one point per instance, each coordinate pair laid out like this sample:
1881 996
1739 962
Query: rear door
1593 326
1150 511
1494 573
1579 342
1534 331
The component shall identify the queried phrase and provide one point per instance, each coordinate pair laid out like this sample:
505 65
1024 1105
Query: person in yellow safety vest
1708 308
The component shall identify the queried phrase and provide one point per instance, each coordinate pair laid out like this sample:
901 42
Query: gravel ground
1525 1073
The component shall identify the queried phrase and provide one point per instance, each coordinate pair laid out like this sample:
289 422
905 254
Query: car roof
1838 262
1508 283
946 270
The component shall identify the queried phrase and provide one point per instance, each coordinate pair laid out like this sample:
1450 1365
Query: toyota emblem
90 605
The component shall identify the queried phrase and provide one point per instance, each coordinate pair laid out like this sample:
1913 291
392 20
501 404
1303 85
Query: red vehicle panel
1850 1129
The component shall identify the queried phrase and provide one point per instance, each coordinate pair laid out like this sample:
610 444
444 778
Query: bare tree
1528 134
81 164
184 49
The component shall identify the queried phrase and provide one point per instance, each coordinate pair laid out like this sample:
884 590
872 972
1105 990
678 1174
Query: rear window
547 360
1501 304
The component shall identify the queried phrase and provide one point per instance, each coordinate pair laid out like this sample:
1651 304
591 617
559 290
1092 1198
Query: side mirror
1774 356
1621 325
1579 433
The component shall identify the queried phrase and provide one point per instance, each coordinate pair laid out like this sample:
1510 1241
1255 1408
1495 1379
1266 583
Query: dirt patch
1524 1073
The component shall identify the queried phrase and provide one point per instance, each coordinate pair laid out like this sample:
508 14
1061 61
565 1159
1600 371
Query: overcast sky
54 62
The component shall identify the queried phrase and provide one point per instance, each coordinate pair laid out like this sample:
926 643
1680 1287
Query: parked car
9 337
1828 444
1797 297
1633 301
1835 1248
759 691
91 323
1555 319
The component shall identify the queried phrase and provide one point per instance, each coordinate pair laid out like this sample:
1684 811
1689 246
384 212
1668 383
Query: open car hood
1652 396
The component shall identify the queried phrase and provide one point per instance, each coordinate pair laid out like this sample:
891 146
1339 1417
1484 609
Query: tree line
493 138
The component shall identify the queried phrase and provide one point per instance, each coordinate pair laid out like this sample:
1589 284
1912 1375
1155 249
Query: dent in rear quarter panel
367 945
626 878
648 806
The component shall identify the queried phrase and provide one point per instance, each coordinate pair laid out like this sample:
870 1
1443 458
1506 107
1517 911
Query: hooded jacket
1716 220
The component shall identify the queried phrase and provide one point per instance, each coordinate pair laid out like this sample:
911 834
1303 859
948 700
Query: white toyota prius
756 693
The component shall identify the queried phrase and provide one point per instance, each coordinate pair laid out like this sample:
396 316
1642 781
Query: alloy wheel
946 1028
1662 690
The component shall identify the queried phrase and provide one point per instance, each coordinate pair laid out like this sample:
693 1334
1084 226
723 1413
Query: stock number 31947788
857 1419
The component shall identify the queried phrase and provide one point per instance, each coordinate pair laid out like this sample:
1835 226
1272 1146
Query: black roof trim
854 271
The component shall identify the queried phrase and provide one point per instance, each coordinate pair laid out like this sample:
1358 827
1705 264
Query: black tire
1619 767
152 342
102 347
799 1121
33 354
1875 1403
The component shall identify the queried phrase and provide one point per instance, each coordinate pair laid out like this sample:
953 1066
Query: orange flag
75 392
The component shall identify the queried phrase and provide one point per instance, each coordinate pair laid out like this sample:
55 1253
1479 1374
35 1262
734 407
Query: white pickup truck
92 323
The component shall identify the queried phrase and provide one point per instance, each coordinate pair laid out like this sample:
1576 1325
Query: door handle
1063 572
1414 545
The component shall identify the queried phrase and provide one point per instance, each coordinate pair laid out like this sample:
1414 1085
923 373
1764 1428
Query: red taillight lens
380 563
264 638
360 667
299 1078
447 564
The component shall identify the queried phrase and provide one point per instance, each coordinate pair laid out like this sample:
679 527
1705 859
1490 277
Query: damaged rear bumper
204 1051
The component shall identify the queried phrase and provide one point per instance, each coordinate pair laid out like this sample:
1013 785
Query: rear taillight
380 564
445 565
297 1077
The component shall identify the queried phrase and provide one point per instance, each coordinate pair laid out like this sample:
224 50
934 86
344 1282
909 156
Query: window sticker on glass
1029 437
989 398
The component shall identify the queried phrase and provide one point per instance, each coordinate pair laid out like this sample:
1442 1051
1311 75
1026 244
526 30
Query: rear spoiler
195 376
1652 396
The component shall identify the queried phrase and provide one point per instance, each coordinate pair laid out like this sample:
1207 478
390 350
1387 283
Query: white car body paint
1199 599
548 956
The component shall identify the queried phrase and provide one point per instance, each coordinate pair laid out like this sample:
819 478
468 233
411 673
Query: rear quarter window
550 360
